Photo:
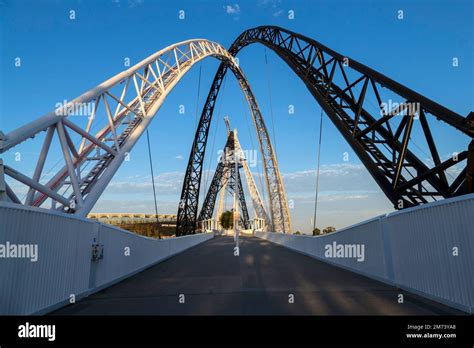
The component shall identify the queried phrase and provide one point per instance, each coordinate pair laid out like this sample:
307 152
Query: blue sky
62 58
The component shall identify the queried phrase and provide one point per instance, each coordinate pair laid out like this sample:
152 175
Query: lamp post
236 194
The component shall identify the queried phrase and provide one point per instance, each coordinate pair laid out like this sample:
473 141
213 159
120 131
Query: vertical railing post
3 186
470 168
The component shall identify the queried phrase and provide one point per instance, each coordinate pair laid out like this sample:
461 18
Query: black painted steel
349 92
219 181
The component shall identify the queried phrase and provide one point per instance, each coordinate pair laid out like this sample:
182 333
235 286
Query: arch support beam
346 89
126 104
188 205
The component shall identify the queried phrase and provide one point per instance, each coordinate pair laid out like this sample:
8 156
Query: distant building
132 218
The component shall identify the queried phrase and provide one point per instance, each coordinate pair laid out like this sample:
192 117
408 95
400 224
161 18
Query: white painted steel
64 265
143 105
153 79
411 249
24 132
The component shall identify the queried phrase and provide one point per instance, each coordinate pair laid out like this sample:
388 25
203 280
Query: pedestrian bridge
415 261
51 258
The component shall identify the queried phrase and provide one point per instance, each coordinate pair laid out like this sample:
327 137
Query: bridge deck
258 282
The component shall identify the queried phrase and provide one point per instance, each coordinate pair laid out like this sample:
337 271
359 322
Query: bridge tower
228 179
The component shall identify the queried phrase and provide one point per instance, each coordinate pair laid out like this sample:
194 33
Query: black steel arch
188 205
384 149
219 181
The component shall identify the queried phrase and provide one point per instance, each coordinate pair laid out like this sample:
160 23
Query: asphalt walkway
261 281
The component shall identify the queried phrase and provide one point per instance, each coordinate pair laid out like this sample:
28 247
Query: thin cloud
135 3
277 13
269 3
128 3
272 5
347 194
233 10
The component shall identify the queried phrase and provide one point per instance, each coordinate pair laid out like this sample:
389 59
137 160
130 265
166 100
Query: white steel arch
257 202
127 103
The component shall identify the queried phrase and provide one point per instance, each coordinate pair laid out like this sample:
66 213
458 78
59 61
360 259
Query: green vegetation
150 229
329 229
318 232
227 220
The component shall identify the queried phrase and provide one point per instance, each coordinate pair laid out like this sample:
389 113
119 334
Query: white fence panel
424 243
427 250
64 266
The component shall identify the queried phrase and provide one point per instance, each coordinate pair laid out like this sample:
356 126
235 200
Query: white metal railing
426 249
75 257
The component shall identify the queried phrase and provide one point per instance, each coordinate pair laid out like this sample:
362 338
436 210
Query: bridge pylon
227 179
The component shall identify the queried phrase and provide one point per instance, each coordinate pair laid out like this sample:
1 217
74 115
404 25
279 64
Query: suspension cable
153 183
317 170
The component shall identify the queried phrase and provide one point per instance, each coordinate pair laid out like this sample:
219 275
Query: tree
297 232
316 232
227 220
329 229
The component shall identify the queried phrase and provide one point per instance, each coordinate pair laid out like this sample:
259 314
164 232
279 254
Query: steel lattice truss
355 99
224 179
123 107
384 149
188 205
235 183
221 182
257 202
